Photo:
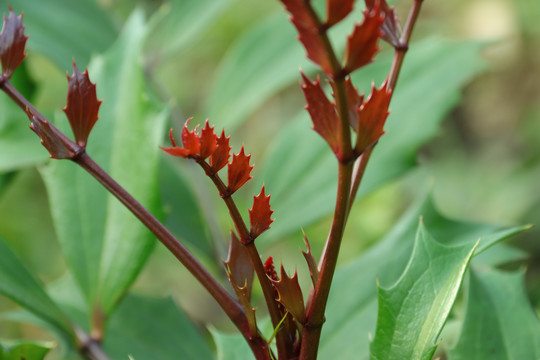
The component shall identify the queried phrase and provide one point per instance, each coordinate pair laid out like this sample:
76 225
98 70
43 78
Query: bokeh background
483 164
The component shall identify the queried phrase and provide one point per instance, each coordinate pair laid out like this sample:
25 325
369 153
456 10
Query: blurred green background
483 164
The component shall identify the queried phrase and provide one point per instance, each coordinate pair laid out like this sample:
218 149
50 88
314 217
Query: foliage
398 299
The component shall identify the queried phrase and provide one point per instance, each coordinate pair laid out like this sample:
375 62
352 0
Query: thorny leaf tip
190 141
220 156
239 264
362 43
239 171
208 141
290 295
260 214
82 105
310 260
12 43
391 28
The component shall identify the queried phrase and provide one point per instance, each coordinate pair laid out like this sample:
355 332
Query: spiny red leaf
239 264
354 100
56 143
310 260
239 171
259 214
391 28
371 118
208 141
308 31
220 156
270 270
82 105
323 113
190 140
362 43
337 10
290 295
12 43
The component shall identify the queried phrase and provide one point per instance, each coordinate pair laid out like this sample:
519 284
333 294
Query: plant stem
89 347
248 242
229 304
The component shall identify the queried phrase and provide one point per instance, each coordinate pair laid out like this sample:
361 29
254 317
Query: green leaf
300 172
25 350
105 246
499 321
178 23
149 328
231 346
20 285
64 30
352 305
413 311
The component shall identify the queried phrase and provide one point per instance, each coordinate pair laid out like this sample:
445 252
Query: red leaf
337 10
259 214
190 141
312 264
220 156
56 143
391 28
371 118
362 43
82 105
270 270
208 141
322 112
12 43
354 100
239 264
238 171
309 36
290 295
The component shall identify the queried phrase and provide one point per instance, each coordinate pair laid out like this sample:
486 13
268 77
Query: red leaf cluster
82 105
260 214
323 113
194 144
309 31
391 29
12 43
362 43
371 118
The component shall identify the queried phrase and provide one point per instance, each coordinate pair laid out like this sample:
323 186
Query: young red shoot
239 171
12 43
260 214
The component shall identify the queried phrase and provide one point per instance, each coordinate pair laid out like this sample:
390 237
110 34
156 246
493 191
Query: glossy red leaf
290 295
323 113
362 43
208 141
12 43
371 118
82 105
190 141
239 264
220 156
56 143
259 214
391 28
239 171
337 10
308 33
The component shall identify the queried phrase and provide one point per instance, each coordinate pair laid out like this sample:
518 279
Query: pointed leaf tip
208 141
220 156
82 105
290 295
323 113
260 214
362 43
239 171
239 264
190 141
12 43
372 117
391 29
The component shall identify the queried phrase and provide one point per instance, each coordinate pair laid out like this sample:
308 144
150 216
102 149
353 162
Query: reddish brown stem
247 240
229 305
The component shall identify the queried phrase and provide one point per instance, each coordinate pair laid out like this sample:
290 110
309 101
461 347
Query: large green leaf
231 346
19 284
25 350
413 311
352 305
178 23
300 170
499 322
64 30
105 245
148 328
